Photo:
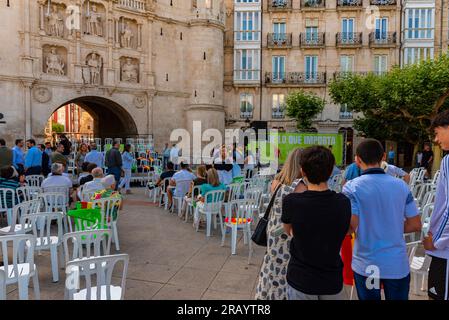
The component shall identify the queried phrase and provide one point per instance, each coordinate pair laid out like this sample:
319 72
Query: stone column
117 32
27 86
111 31
139 36
41 19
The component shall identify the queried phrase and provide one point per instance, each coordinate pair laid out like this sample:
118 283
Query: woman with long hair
127 163
80 156
272 283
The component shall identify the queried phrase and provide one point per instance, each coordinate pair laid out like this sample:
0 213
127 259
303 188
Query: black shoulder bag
259 236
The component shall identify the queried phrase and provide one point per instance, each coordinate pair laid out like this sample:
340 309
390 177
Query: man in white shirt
95 185
174 156
57 180
183 175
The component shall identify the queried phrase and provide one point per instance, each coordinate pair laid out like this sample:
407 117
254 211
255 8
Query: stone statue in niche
130 71
55 23
54 63
94 20
94 64
127 36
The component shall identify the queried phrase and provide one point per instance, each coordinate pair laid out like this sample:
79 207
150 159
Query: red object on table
346 256
83 205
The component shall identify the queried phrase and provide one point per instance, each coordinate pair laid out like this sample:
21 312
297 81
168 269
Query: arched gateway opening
91 117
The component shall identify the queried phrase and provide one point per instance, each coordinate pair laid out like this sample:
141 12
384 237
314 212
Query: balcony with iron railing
279 40
346 115
278 113
382 3
293 79
349 4
247 36
134 5
349 39
312 40
382 39
343 74
313 4
279 5
246 114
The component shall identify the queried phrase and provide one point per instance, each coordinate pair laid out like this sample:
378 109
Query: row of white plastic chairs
85 255
23 216
424 194
242 204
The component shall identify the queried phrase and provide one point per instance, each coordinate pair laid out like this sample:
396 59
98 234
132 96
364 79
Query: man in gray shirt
113 161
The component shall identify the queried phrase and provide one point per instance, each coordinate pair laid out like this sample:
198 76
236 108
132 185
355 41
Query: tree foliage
399 105
303 107
57 127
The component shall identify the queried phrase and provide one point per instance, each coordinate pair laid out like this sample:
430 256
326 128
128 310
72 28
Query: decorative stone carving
126 36
92 70
42 94
54 63
94 21
130 71
55 23
140 102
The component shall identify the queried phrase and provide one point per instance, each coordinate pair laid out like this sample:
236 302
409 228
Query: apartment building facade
306 44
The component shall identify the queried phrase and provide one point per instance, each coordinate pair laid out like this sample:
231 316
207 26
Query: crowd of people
309 224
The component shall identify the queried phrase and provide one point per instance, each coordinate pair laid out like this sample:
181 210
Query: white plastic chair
154 192
17 270
234 192
182 188
34 180
253 196
46 237
425 219
86 195
190 202
107 206
57 202
86 244
419 267
213 202
239 218
6 194
18 211
164 198
28 193
102 269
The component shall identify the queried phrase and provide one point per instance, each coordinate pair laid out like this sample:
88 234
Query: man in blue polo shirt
33 159
19 156
383 210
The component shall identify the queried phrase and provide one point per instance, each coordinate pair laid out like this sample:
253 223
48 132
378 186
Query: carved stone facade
134 65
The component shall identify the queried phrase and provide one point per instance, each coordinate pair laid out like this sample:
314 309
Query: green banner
286 142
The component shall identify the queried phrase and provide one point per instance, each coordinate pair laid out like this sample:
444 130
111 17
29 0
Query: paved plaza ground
169 260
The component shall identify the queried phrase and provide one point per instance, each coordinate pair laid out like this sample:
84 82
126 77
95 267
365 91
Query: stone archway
111 120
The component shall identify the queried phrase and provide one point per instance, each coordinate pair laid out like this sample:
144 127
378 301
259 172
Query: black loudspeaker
260 125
